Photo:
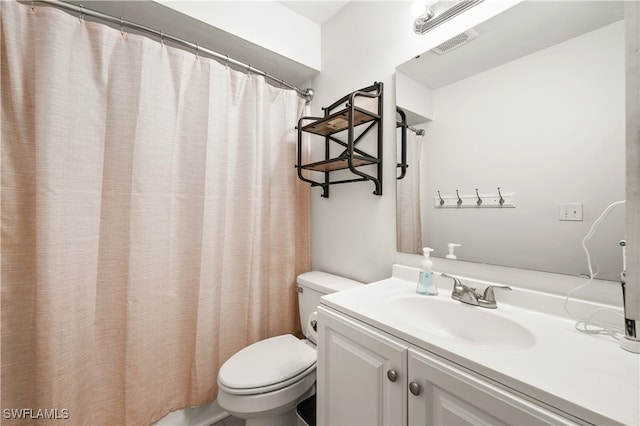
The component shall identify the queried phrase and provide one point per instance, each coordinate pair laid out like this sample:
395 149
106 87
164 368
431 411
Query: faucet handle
456 280
488 299
457 285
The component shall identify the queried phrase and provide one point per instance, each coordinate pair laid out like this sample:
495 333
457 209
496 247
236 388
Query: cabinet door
361 376
448 395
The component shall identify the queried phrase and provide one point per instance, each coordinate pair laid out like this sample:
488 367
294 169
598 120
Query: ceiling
519 31
317 11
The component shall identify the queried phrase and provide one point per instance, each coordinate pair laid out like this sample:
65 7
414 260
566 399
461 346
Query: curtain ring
122 26
81 13
162 38
226 61
197 51
33 3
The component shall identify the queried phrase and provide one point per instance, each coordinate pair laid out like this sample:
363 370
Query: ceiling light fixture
423 8
435 13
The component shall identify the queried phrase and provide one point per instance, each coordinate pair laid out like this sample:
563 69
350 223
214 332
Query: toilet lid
267 362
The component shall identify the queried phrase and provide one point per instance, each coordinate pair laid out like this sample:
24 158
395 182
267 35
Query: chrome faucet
469 295
488 299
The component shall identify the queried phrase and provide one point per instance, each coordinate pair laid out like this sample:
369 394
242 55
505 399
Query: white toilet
265 381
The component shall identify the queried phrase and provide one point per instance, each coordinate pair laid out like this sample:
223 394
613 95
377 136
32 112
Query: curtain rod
419 132
304 93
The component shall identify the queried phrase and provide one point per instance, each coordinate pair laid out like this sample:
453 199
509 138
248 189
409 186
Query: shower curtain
152 221
408 202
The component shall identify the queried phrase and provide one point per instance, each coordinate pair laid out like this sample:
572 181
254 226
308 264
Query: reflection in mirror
437 12
531 101
409 226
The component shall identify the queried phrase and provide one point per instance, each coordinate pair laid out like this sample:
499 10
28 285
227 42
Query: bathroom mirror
532 102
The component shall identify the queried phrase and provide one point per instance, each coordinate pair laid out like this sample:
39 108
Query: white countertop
587 376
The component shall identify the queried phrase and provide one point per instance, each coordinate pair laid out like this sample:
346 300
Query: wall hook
459 202
441 200
479 202
501 201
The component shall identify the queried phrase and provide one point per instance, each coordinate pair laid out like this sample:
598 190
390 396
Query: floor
230 421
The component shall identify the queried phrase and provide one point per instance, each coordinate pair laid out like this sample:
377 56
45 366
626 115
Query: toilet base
286 418
264 410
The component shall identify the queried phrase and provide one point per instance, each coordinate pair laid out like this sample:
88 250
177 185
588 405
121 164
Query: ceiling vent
455 42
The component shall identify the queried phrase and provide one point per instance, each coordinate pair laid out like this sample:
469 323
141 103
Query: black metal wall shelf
402 124
351 115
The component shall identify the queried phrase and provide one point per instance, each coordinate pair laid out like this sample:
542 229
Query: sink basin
452 319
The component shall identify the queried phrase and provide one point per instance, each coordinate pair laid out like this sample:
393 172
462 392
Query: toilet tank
315 284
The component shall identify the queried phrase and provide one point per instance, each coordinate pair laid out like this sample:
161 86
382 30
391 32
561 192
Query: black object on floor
307 410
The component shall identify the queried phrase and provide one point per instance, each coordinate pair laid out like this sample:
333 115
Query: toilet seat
267 365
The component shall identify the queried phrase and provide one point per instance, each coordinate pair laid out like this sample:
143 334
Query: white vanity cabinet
367 377
443 394
361 374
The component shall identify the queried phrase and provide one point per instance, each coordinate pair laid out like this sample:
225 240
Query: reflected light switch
570 211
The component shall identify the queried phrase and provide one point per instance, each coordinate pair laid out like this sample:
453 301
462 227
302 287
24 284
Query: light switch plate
570 212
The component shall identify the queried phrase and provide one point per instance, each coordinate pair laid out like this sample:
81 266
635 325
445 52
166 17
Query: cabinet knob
414 388
392 375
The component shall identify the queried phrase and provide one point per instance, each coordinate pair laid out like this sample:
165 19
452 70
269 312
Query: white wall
550 127
413 97
353 231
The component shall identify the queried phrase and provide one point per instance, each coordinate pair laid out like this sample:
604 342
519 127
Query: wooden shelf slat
338 164
338 122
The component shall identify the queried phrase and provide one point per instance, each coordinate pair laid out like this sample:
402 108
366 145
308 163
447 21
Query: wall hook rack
475 200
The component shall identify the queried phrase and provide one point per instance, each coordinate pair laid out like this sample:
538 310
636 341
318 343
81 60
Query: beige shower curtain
152 221
408 203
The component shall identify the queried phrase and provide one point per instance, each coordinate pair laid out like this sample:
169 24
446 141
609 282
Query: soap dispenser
426 283
452 247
